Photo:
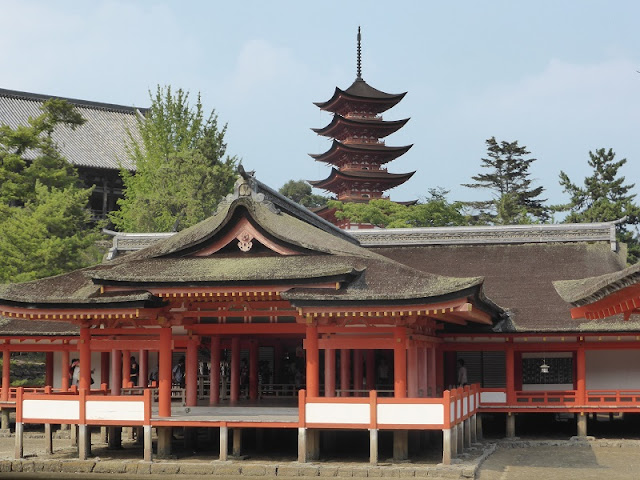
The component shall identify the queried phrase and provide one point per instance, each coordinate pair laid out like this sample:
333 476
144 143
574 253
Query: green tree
182 170
45 224
433 211
515 200
300 192
604 198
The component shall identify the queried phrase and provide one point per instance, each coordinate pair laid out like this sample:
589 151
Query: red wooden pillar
104 368
510 374
412 371
371 370
6 378
116 372
432 372
358 378
143 368
64 380
253 370
399 363
235 370
214 373
85 359
329 372
581 376
439 354
191 373
48 372
126 368
345 371
422 371
313 362
164 372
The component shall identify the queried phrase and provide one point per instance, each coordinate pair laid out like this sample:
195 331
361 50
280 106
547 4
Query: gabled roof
99 143
325 258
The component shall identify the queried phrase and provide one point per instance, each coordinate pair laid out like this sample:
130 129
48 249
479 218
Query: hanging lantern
544 368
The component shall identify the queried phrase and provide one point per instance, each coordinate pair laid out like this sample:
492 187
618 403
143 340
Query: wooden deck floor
275 413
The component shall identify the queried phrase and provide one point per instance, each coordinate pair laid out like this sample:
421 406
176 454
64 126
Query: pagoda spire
359 55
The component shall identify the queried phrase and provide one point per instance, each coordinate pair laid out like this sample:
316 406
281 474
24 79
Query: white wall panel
493 397
613 369
410 414
105 410
51 409
338 413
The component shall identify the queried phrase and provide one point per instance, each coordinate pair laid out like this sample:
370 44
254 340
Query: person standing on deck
134 371
462 374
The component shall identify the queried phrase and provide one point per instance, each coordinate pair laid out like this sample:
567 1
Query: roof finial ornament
359 54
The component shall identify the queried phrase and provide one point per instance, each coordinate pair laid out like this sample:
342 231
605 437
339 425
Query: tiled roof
99 143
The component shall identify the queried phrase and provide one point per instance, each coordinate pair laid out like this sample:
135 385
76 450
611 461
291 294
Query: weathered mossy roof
591 289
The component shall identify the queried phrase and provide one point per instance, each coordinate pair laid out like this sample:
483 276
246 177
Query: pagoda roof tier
373 153
249 245
383 179
341 127
360 94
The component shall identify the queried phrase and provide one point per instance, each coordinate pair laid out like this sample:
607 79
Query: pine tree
181 168
515 201
604 198
300 192
45 224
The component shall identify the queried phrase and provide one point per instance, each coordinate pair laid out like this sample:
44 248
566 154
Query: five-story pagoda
358 152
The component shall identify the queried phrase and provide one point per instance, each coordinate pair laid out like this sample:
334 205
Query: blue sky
558 76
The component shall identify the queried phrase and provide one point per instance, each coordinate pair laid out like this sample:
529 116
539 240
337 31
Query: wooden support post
473 426
313 445
164 374
400 445
582 424
511 425
148 443
581 374
439 368
313 360
19 446
104 434
422 371
479 433
84 440
48 439
116 372
235 370
64 370
432 375
224 442
345 371
191 373
460 437
466 425
254 350
329 372
399 363
236 448
302 445
74 435
373 446
164 442
6 375
126 368
48 369
358 377
4 420
143 368
454 441
114 439
412 372
510 374
85 359
214 373
447 446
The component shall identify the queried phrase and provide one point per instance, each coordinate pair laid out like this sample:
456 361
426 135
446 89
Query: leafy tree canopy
604 197
182 170
433 211
514 199
46 227
300 192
